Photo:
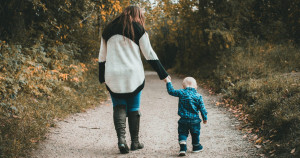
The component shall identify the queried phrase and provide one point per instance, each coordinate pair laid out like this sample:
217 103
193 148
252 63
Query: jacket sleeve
172 91
102 59
151 56
202 109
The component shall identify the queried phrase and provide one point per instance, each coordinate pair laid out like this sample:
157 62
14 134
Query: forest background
248 50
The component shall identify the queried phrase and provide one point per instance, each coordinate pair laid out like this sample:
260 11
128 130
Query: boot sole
136 148
123 149
141 146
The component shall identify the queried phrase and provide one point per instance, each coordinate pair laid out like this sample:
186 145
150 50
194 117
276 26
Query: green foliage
69 21
275 20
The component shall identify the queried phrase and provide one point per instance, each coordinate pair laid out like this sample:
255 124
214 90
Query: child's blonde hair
189 82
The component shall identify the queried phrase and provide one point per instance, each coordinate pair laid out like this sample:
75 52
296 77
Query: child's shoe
197 148
183 149
182 153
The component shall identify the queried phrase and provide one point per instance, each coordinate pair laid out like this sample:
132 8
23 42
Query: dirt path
92 134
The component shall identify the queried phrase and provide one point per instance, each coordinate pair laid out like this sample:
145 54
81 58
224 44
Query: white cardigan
120 63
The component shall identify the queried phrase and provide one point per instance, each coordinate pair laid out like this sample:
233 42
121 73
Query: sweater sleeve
151 56
102 59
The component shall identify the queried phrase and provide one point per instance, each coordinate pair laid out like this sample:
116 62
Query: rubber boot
120 125
134 125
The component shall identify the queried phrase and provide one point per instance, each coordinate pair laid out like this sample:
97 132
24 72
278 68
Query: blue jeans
186 126
131 103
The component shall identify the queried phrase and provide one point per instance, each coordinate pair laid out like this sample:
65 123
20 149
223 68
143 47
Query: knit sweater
120 64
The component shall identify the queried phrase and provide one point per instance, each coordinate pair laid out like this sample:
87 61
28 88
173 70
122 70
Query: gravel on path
92 134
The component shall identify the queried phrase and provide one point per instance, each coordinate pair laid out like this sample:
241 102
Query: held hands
204 121
167 79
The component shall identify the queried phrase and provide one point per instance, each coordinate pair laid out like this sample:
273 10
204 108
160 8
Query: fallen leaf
255 137
258 146
293 151
15 116
33 140
258 141
266 141
272 151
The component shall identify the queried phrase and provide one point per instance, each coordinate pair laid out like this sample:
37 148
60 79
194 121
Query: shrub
273 105
265 80
40 85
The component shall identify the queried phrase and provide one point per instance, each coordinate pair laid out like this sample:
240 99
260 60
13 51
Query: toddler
190 103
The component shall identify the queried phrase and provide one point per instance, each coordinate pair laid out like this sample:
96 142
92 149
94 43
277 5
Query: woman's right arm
102 60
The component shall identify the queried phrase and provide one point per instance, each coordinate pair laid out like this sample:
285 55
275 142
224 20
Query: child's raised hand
205 121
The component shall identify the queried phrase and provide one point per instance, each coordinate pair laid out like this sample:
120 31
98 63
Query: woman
121 69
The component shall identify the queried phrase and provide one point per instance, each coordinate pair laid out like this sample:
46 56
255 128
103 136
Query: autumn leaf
293 151
258 146
33 140
255 137
258 141
272 151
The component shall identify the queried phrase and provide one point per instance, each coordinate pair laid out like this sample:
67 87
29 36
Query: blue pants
186 126
131 103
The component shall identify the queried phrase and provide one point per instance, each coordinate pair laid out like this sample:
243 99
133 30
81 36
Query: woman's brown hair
128 16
